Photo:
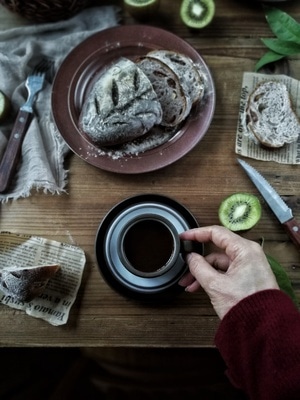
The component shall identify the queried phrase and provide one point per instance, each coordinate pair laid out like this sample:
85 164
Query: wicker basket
45 10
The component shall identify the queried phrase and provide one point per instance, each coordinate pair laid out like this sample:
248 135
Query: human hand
240 270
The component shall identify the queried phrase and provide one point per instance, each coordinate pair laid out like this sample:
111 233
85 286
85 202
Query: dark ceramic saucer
161 284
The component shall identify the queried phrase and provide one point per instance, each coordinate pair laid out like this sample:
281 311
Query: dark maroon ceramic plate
80 70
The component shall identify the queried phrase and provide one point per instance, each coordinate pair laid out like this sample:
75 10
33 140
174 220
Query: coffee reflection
148 245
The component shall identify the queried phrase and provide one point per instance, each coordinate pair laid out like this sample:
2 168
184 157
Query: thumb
201 270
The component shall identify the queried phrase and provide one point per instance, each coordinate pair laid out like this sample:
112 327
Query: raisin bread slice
166 83
189 75
121 106
26 283
270 116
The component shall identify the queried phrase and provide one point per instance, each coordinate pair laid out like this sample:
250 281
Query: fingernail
180 282
188 258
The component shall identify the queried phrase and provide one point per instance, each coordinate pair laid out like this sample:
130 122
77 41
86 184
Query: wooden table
200 180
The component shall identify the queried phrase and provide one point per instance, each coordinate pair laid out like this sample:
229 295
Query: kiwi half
4 106
141 9
197 13
240 211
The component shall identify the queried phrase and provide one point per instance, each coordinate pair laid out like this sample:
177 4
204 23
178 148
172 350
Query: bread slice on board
121 106
190 77
26 283
175 104
270 116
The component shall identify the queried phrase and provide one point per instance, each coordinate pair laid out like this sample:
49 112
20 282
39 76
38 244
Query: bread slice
24 284
189 75
166 83
270 116
121 106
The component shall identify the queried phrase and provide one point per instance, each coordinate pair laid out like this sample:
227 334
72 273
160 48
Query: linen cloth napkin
43 151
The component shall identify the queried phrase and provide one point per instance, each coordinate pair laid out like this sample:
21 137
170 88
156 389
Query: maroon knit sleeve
259 340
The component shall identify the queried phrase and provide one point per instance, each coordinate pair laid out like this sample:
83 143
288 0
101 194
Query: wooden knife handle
292 228
12 152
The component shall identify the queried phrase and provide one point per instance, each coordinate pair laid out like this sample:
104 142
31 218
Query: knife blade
283 213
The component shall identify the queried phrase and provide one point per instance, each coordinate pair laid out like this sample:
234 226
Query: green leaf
282 46
282 279
283 25
268 58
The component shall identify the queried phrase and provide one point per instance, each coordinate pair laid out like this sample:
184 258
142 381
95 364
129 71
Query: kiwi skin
188 11
240 211
141 9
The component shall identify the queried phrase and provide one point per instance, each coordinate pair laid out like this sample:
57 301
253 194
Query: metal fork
34 83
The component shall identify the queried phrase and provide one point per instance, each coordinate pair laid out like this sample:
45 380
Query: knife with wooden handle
275 202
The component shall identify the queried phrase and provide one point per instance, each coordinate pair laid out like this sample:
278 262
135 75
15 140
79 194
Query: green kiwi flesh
141 9
4 106
139 3
240 211
197 13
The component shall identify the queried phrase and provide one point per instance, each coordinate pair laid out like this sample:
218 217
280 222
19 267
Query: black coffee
148 245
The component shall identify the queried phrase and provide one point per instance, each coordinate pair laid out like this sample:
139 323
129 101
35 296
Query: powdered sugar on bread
270 116
134 100
26 283
121 106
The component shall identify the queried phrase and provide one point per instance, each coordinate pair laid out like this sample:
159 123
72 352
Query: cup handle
190 246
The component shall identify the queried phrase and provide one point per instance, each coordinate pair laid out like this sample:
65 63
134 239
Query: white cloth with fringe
43 151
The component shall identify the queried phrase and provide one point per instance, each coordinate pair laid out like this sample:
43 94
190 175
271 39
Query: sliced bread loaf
121 106
166 83
270 116
189 75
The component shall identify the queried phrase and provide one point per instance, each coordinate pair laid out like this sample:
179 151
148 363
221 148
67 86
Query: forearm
259 340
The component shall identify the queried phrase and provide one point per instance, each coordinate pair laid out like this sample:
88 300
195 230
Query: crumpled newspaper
54 302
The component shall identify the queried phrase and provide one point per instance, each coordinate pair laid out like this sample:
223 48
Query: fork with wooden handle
34 83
